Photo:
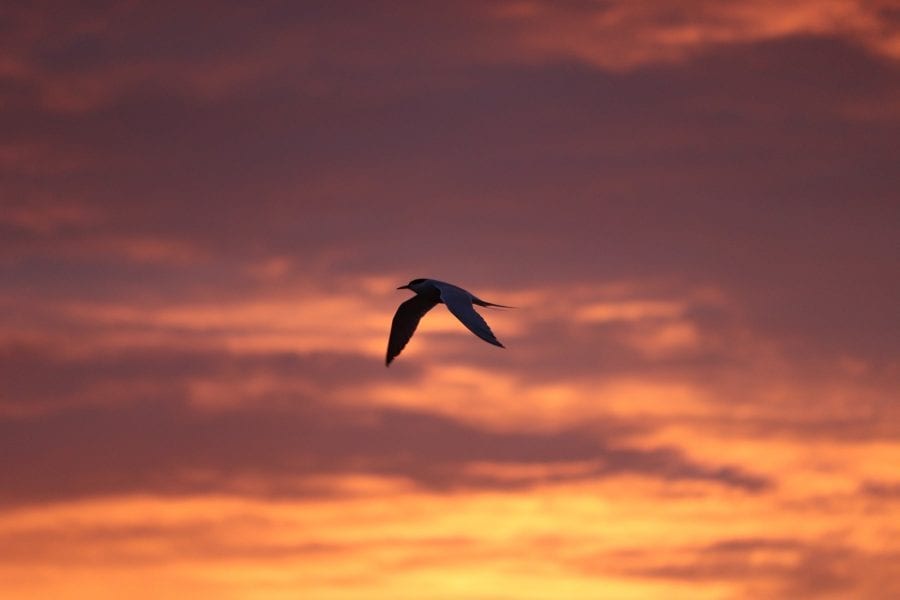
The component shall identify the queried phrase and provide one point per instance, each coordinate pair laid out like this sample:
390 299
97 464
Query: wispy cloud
626 35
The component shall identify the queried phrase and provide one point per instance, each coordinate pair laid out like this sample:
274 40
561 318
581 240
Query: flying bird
430 293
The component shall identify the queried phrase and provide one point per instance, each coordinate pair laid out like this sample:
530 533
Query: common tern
430 293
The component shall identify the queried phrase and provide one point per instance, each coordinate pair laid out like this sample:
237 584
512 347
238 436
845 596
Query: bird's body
430 293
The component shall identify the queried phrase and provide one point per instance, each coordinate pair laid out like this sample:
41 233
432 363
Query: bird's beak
403 287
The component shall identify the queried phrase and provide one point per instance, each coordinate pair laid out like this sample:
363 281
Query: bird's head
414 285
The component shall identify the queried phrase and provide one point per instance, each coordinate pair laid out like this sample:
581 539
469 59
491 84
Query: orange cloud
625 35
636 537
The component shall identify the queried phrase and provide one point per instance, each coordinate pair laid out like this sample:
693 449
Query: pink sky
205 210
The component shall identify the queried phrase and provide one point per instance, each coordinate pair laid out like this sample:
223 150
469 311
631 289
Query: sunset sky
206 207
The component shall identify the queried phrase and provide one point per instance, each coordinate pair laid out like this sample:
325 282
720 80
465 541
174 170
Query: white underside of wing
459 302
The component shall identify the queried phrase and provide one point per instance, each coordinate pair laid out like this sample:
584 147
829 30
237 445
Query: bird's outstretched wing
406 319
459 302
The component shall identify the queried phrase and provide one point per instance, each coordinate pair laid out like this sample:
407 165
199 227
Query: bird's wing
406 319
459 302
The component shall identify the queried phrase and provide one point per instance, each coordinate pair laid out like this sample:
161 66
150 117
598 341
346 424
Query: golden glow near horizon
202 228
565 526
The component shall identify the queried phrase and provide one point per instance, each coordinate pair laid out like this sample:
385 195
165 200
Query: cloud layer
204 212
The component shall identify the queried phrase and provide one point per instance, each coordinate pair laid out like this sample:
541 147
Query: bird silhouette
430 293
